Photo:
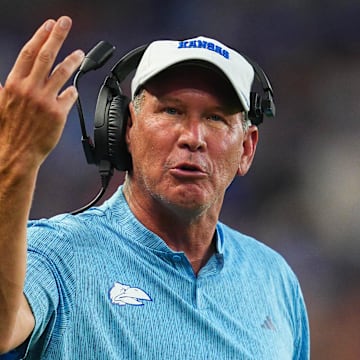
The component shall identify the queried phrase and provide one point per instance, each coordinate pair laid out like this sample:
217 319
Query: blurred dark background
301 196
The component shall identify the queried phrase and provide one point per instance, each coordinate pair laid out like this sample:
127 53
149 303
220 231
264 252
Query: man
150 274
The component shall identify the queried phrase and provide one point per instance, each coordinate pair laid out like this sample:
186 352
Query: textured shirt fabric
102 286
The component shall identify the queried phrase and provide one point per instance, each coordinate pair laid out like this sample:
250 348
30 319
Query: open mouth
188 167
188 170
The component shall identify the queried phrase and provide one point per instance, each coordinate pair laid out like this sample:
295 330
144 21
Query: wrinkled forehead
193 75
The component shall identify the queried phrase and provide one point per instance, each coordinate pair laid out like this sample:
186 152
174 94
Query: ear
249 144
129 124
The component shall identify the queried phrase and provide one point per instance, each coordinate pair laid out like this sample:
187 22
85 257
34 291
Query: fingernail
49 25
65 23
79 53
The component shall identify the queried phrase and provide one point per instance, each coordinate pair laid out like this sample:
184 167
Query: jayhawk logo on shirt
122 295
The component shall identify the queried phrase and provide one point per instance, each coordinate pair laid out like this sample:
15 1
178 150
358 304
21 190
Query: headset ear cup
256 112
117 121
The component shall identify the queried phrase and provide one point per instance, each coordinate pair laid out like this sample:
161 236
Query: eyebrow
228 109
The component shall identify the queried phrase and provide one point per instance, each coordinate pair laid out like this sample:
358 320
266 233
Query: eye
215 117
171 110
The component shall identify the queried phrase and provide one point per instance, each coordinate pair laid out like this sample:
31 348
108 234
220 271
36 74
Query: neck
188 230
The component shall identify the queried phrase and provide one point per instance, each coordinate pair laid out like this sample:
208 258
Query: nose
192 134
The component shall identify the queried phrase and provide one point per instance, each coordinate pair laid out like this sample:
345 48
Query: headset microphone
94 59
97 56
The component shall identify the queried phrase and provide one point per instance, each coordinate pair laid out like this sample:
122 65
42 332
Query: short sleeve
49 283
302 338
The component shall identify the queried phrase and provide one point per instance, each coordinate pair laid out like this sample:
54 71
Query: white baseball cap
162 54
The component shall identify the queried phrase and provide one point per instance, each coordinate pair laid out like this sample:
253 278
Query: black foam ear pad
256 113
118 114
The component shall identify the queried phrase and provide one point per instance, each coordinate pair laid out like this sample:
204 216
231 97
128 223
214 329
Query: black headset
109 150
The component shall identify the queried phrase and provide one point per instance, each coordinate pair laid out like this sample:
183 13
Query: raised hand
33 105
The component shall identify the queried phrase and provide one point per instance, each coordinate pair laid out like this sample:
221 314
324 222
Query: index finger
29 51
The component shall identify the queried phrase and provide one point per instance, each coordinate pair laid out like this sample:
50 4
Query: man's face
187 140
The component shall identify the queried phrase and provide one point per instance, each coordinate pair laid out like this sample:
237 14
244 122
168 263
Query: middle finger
48 52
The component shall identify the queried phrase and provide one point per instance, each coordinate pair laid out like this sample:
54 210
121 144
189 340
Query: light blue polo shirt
102 286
